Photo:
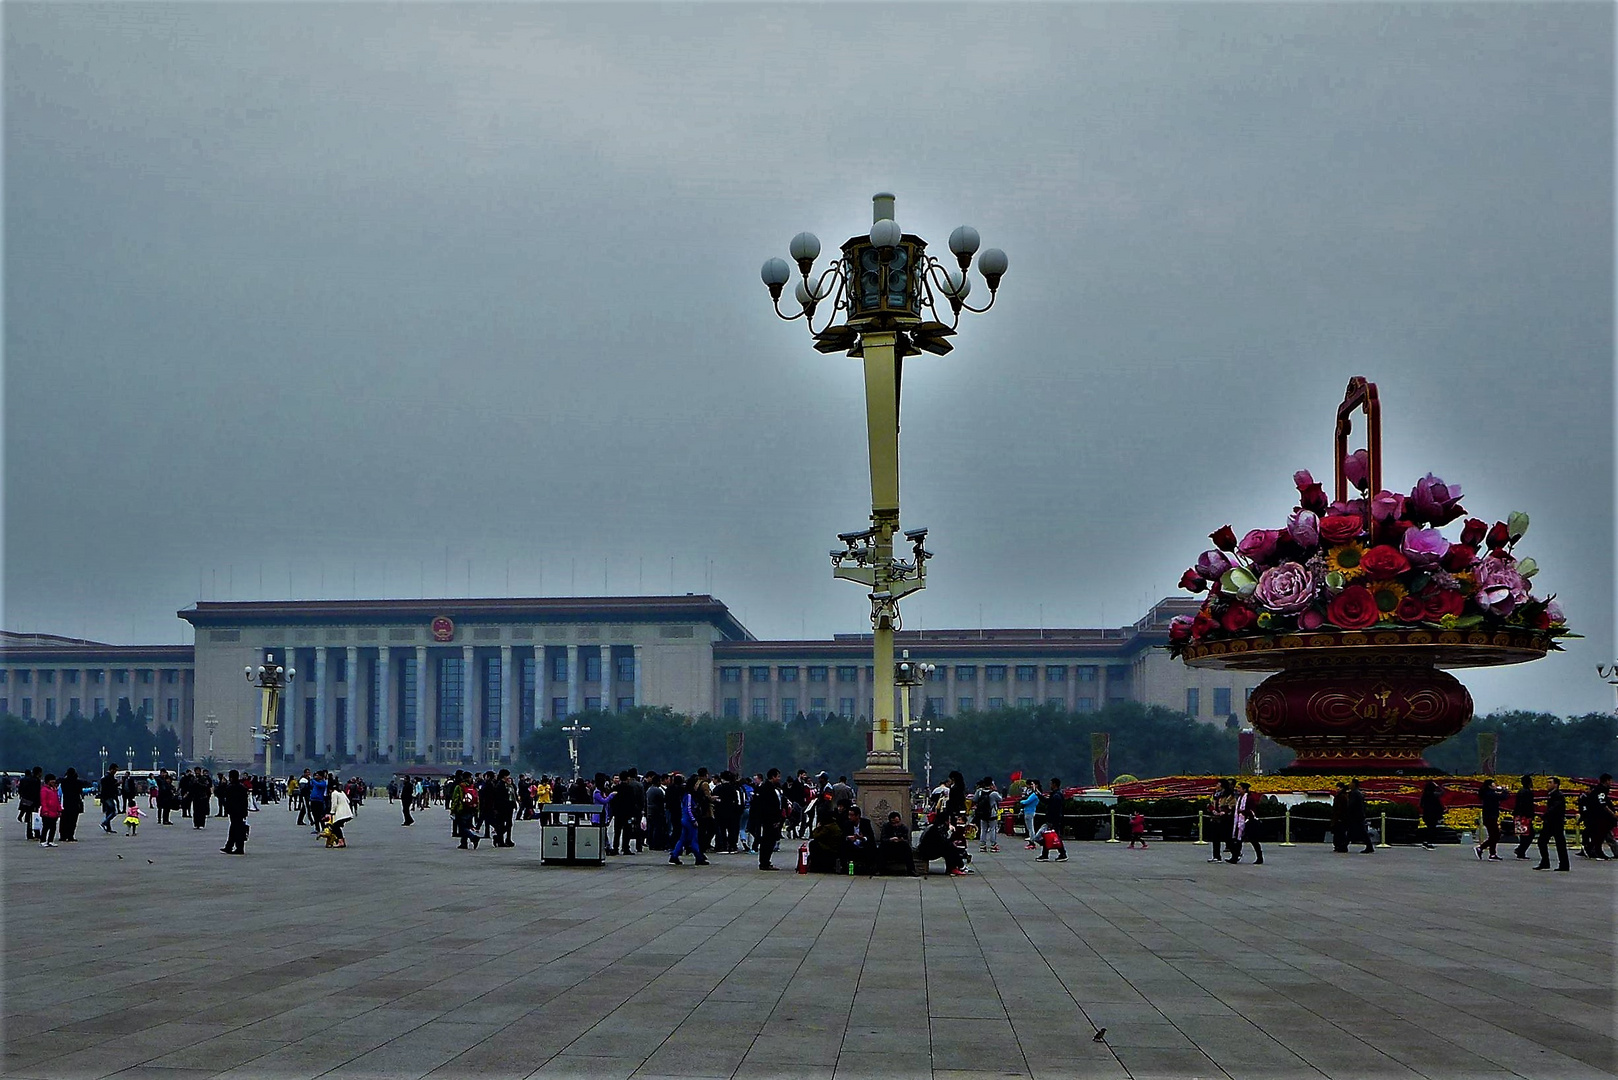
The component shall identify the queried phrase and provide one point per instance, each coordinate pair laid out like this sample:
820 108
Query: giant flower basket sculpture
1359 604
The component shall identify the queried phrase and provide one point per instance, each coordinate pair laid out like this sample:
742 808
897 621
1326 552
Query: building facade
459 682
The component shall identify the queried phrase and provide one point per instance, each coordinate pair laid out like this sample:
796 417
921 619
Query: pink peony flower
1387 506
1357 468
1434 501
1424 547
1286 589
1500 587
1213 563
1304 529
1258 546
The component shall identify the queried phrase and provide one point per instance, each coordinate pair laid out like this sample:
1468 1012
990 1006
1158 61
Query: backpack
469 798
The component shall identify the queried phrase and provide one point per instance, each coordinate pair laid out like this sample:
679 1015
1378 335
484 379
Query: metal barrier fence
1574 829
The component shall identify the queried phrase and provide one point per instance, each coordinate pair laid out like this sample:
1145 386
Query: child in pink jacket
50 809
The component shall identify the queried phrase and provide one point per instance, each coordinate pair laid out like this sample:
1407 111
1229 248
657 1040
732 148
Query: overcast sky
337 300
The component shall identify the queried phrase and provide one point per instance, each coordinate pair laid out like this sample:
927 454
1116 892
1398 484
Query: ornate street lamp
881 300
103 761
907 675
271 679
573 732
927 729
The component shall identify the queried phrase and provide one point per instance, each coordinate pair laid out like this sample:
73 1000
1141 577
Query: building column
639 701
609 684
386 734
471 737
322 735
426 726
508 714
572 679
355 694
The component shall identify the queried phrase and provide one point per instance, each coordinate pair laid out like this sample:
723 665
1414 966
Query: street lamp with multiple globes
271 679
1609 672
881 300
574 731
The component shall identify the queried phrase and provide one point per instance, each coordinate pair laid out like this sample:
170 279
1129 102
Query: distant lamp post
104 756
211 722
888 292
908 675
271 679
1609 672
154 758
927 729
573 732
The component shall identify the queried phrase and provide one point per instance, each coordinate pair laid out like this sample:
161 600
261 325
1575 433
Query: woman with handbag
1522 810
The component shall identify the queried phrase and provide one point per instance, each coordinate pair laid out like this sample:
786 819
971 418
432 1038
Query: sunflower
1345 559
1387 595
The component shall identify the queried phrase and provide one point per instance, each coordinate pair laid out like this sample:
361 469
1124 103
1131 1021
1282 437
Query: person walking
72 805
1489 798
1432 812
165 797
1339 819
1137 829
1358 830
690 837
1245 825
341 813
407 790
28 796
1597 818
463 808
657 818
201 792
233 794
1522 815
765 817
1055 822
1552 826
108 793
1221 813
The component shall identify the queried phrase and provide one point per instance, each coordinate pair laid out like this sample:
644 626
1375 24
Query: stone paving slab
404 957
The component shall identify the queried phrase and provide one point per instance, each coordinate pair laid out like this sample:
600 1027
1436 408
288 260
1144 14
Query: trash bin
572 834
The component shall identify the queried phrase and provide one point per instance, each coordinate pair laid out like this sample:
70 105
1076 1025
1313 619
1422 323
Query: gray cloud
346 295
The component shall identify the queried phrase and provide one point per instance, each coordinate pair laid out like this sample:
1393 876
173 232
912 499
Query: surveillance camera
915 536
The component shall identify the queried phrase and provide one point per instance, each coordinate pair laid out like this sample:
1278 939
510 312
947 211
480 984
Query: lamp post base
882 791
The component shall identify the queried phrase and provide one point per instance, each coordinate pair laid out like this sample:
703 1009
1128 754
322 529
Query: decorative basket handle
1361 395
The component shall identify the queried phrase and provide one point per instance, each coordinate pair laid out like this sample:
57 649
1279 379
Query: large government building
446 682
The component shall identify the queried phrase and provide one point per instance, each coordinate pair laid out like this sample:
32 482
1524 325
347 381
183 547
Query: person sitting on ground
859 842
895 844
938 842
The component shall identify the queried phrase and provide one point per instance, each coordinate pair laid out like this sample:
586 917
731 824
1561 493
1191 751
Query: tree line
77 742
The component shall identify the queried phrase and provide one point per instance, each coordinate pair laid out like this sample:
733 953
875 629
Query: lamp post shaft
882 434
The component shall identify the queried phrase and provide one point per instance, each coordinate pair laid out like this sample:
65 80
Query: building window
964 705
845 708
733 708
625 704
1055 702
451 696
50 677
1056 673
848 673
1025 703
493 698
626 668
1193 701
997 703
1221 701
761 708
730 674
4 676
592 666
558 708
27 708
407 699
70 677
100 705
340 725
939 673
96 676
173 705
50 710
1087 704
525 713
73 707
759 673
146 708
934 707
24 677
171 676
592 704
1026 672
339 666
789 709
787 674
146 676
559 666
817 673
995 672
1085 673
966 673
817 705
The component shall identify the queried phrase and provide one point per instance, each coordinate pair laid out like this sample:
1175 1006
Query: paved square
402 957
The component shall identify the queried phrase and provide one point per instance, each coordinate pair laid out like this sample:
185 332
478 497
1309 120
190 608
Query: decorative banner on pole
1247 747
1488 752
733 751
1100 756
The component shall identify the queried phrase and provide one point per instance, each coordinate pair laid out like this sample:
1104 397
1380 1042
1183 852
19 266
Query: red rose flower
1224 539
1354 608
1202 625
1542 621
1313 497
1191 581
1410 609
1383 562
1441 602
1238 617
1180 629
1473 532
1498 536
1459 557
1339 528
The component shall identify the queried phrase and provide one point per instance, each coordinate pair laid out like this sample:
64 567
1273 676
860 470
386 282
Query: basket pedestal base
1366 712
